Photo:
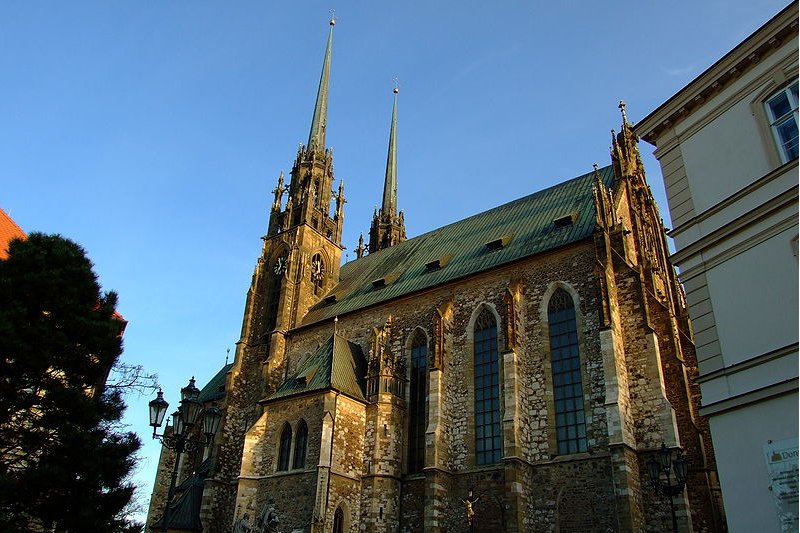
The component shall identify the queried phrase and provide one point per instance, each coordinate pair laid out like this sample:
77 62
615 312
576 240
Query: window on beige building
782 113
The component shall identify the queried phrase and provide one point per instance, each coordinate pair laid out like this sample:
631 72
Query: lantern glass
665 457
211 420
654 469
177 423
681 467
190 409
158 409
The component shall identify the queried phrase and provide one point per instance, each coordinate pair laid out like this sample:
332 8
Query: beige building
728 146
512 371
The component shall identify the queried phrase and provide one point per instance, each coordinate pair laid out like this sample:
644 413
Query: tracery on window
417 408
567 378
488 437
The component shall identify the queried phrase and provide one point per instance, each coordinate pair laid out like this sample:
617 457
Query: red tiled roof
8 230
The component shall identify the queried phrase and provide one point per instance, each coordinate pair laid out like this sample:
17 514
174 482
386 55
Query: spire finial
316 138
396 85
595 166
389 207
227 354
622 109
332 20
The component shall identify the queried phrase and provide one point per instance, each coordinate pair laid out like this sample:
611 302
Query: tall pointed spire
389 206
316 138
388 227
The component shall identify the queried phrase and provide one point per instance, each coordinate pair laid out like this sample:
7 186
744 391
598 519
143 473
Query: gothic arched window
417 408
488 437
338 521
285 448
567 380
300 442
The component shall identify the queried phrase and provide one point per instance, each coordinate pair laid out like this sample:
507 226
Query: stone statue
242 525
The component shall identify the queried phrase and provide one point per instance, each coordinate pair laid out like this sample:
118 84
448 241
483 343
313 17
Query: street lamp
661 467
181 438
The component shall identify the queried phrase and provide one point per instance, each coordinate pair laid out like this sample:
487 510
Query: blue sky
152 133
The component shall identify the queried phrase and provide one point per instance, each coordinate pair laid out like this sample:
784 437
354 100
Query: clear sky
152 133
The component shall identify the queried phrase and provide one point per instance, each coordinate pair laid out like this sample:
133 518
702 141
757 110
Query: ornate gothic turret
388 226
311 186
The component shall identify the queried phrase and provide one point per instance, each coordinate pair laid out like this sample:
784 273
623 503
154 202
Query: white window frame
775 122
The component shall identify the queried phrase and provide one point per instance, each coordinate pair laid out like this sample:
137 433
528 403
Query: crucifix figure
468 502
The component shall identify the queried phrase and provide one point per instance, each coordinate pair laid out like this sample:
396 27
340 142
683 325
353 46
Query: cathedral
513 371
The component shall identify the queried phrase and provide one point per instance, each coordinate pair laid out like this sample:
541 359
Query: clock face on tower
280 265
317 269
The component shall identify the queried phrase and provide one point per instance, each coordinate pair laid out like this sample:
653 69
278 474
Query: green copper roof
316 137
215 388
390 183
545 220
338 364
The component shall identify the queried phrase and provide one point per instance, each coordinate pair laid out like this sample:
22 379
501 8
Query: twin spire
388 226
316 137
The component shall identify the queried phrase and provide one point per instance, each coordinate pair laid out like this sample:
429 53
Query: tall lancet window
488 437
418 408
567 380
285 447
300 445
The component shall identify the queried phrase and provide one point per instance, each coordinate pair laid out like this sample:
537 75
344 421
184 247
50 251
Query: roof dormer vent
496 244
566 220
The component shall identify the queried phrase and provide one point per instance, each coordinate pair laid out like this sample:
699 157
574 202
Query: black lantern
660 467
211 419
182 437
158 409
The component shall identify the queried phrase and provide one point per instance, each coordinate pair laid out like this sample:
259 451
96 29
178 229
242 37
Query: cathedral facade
512 371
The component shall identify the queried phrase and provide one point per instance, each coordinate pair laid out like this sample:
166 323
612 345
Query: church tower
299 262
304 236
388 226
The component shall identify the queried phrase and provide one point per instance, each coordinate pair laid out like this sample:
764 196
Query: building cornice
762 43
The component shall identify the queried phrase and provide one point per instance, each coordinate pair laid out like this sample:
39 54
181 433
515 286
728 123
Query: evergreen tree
64 459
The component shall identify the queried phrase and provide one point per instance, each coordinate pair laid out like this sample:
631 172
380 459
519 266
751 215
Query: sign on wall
781 457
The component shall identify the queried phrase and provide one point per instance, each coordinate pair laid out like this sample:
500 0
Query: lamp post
182 439
661 467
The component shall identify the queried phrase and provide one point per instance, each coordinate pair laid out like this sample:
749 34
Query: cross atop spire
316 138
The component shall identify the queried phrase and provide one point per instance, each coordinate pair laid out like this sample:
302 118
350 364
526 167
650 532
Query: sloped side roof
215 388
525 227
184 512
338 364
9 230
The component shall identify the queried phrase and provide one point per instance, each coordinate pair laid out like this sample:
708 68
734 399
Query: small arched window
300 442
417 408
567 380
285 447
338 521
488 437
